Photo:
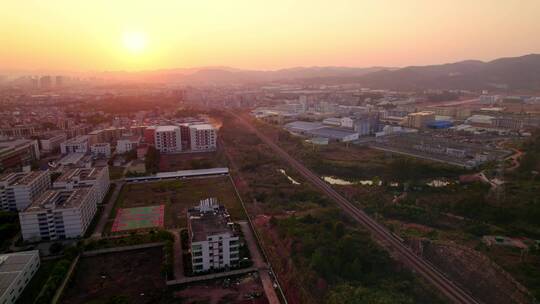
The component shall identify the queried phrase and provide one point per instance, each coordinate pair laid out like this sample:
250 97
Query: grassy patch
178 196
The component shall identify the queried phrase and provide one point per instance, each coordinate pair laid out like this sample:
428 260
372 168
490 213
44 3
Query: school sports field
138 218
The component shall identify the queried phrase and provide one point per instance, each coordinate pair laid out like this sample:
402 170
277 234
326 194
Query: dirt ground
246 289
179 195
134 274
187 161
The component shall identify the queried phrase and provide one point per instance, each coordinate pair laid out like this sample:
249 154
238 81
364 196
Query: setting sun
135 42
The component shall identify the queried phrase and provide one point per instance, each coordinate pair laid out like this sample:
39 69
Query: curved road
421 266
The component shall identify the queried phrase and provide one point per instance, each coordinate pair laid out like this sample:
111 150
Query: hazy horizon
98 36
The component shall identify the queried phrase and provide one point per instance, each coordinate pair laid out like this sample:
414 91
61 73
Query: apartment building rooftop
80 173
7 145
77 139
166 128
202 126
11 266
208 219
58 199
19 178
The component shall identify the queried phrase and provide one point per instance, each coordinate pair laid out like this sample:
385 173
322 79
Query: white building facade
79 144
95 178
18 190
59 214
127 144
16 270
52 142
214 243
167 139
101 149
203 137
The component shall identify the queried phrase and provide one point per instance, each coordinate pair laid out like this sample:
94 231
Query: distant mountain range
226 75
515 73
504 73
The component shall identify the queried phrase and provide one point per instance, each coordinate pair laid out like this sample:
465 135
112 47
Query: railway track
453 292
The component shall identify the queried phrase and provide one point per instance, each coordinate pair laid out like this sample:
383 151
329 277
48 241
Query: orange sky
82 35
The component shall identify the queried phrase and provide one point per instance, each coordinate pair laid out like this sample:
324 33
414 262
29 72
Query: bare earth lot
178 196
239 290
187 161
128 273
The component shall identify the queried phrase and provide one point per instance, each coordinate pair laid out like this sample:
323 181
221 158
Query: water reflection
292 180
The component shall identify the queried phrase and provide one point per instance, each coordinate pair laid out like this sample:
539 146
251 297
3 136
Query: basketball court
138 218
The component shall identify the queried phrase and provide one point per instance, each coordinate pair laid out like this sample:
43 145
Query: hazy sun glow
134 35
134 42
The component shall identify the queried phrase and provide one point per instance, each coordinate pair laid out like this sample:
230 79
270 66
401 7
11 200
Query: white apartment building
203 137
59 214
79 144
18 190
16 270
167 139
96 178
126 144
213 241
51 142
347 122
101 149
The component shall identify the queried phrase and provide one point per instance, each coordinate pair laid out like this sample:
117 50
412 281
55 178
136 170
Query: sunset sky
139 35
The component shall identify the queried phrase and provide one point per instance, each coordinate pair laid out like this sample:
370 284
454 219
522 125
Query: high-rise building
45 82
203 137
59 81
167 139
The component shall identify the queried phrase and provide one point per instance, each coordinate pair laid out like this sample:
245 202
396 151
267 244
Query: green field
178 196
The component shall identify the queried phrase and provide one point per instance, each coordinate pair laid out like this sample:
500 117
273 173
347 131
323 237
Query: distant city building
45 82
167 139
101 149
149 136
213 240
59 81
51 142
16 270
203 137
332 121
419 120
18 190
20 131
16 154
79 144
128 143
508 122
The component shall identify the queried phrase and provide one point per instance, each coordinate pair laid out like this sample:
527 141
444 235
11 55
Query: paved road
258 262
98 231
421 266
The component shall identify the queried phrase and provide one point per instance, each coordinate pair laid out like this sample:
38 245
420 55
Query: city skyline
102 36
